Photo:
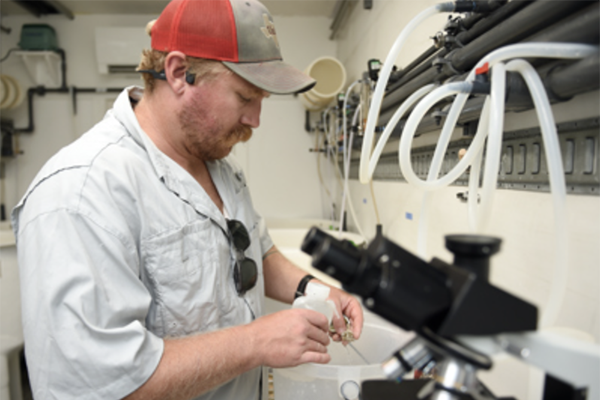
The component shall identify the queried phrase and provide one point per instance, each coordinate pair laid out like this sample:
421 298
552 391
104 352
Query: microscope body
437 300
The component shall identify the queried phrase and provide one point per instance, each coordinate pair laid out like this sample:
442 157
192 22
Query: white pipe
346 152
557 185
346 163
548 50
406 105
382 83
473 182
357 113
413 121
345 118
493 151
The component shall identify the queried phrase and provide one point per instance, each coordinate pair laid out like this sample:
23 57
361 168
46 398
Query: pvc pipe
557 185
384 76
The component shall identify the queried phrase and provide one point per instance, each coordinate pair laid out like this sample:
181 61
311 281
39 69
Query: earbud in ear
190 78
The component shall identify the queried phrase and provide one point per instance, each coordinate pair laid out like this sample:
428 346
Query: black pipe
518 27
42 90
494 19
577 78
63 67
307 126
580 27
419 61
415 72
423 62
515 29
426 74
561 82
476 25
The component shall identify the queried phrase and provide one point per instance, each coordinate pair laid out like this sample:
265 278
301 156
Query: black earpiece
190 78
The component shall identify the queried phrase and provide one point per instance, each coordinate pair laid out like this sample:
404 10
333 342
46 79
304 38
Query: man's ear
175 71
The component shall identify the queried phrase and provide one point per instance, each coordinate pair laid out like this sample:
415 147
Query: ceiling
73 8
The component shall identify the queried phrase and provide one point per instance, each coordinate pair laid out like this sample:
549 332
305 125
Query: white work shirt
120 247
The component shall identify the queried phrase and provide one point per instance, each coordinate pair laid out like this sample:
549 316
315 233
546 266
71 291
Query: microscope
459 317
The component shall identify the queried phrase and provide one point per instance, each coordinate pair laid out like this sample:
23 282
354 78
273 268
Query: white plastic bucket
330 75
342 377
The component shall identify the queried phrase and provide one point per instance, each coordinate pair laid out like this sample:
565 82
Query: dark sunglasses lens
245 279
239 233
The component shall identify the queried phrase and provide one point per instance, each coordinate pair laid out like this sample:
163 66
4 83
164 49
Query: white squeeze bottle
316 299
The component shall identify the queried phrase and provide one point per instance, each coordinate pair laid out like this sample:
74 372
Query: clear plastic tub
342 377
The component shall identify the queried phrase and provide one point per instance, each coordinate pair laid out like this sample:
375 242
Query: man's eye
244 99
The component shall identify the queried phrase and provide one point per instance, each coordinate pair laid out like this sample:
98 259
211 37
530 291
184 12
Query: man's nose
251 116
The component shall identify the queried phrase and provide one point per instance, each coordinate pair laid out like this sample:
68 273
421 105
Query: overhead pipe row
519 26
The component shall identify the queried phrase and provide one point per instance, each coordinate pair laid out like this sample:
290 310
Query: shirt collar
175 177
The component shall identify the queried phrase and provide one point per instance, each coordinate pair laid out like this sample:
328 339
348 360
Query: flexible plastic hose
346 153
473 185
384 76
389 128
411 126
547 50
557 185
494 146
346 194
477 220
347 150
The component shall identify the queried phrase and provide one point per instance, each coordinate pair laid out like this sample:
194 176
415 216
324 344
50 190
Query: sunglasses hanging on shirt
245 273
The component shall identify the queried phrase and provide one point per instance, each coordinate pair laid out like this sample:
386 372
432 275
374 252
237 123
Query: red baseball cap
240 33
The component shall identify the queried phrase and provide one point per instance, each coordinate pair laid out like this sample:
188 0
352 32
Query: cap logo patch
269 30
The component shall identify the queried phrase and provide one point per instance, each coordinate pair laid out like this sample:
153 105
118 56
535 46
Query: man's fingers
318 335
312 357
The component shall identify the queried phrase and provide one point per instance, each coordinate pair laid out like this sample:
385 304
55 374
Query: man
143 262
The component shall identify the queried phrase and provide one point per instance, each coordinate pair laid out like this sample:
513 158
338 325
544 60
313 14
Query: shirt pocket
185 269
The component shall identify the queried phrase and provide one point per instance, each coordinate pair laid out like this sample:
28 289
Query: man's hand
348 306
291 337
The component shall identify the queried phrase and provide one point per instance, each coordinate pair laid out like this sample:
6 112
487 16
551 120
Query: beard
210 144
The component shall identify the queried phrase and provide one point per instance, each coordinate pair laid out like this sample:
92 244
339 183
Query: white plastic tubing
347 147
490 127
364 174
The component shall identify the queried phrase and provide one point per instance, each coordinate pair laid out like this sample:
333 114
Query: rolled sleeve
84 309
